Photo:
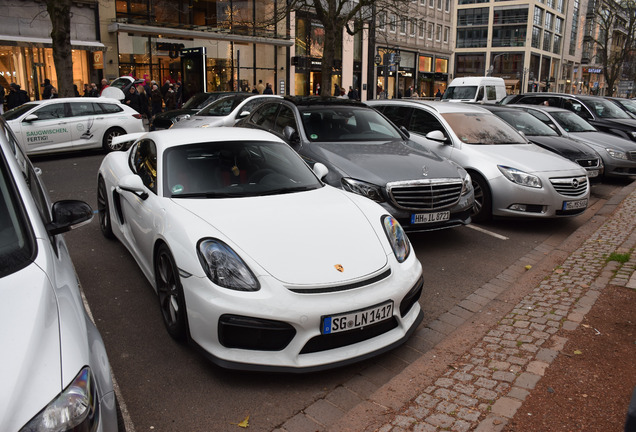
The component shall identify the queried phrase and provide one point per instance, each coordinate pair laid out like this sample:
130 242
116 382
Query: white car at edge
55 373
65 124
254 259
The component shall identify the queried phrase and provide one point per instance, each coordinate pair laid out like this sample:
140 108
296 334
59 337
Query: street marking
490 233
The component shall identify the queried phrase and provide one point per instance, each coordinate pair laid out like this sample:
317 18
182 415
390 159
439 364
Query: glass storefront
29 66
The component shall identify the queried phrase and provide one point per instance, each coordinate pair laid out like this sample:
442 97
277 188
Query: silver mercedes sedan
511 176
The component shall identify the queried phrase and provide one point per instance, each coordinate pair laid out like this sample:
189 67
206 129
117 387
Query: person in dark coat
133 100
156 101
16 96
143 101
75 90
171 98
46 91
1 99
268 89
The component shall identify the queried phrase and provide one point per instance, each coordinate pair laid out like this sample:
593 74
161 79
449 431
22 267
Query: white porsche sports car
253 257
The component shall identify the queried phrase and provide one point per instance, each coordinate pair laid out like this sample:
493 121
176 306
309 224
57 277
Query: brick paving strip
477 379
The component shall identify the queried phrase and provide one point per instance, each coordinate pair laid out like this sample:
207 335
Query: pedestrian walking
156 100
46 89
16 96
268 89
143 101
132 99
260 88
100 90
171 98
95 91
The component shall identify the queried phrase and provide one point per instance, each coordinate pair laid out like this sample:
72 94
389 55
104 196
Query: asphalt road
166 386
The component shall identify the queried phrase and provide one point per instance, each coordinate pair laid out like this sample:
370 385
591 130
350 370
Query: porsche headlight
368 190
397 237
616 154
520 177
76 408
224 267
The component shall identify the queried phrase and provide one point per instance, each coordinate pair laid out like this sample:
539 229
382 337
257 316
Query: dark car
627 105
598 111
368 155
546 137
618 154
166 119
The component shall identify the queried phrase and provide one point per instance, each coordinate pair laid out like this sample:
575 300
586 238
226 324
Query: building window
402 25
560 6
439 4
536 37
438 33
470 64
550 4
548 20
393 23
510 15
508 36
472 17
413 27
558 25
446 34
472 37
556 47
547 41
465 2
431 3
447 8
538 16
422 29
430 31
382 21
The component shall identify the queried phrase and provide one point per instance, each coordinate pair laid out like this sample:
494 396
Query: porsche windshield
348 123
481 128
234 169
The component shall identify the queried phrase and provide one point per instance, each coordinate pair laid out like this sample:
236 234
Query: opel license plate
419 218
357 319
574 205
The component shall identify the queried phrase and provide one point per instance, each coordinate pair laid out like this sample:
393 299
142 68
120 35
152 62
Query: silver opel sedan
511 176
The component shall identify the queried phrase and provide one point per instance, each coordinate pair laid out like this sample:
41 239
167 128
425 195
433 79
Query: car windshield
627 104
346 124
572 122
606 109
526 123
235 169
482 128
461 92
120 83
198 101
18 111
222 106
16 247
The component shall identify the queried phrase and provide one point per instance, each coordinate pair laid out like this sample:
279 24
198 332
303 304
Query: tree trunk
60 14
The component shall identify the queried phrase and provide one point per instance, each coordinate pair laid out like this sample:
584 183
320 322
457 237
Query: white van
475 89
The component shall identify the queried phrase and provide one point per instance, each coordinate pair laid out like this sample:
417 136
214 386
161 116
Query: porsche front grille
425 195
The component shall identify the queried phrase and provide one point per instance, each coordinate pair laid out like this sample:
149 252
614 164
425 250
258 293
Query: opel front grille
570 186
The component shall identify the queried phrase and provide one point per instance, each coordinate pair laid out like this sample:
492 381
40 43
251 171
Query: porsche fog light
368 190
224 267
520 177
397 237
76 408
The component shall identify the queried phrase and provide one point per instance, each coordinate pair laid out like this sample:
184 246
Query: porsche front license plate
574 205
357 319
430 217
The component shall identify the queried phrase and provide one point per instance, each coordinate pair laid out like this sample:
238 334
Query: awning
47 43
204 33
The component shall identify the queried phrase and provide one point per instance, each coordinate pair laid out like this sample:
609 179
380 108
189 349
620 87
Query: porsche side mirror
133 183
320 170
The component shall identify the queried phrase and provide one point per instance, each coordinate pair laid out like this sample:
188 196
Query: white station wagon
63 124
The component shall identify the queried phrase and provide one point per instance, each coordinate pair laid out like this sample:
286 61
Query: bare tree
614 37
335 16
60 14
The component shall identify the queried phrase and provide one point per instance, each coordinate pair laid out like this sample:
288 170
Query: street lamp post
523 77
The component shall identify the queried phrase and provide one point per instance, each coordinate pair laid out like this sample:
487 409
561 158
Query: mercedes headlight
224 267
520 177
397 237
466 180
616 154
368 190
76 408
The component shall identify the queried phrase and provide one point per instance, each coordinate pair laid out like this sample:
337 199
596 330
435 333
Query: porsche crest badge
339 267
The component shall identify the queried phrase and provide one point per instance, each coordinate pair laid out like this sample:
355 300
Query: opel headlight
397 237
224 267
520 177
616 154
76 408
368 190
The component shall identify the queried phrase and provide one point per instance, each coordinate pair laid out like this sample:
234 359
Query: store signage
592 70
98 60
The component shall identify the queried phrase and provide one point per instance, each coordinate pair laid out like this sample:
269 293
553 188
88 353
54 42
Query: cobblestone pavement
488 383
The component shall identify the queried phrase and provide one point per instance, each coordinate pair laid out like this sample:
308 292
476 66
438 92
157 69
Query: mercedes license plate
357 319
419 218
574 205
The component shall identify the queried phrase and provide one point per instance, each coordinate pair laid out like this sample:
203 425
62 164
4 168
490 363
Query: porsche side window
145 163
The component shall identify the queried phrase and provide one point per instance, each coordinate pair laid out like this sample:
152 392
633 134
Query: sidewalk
496 345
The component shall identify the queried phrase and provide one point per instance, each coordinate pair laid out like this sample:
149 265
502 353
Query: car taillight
137 116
